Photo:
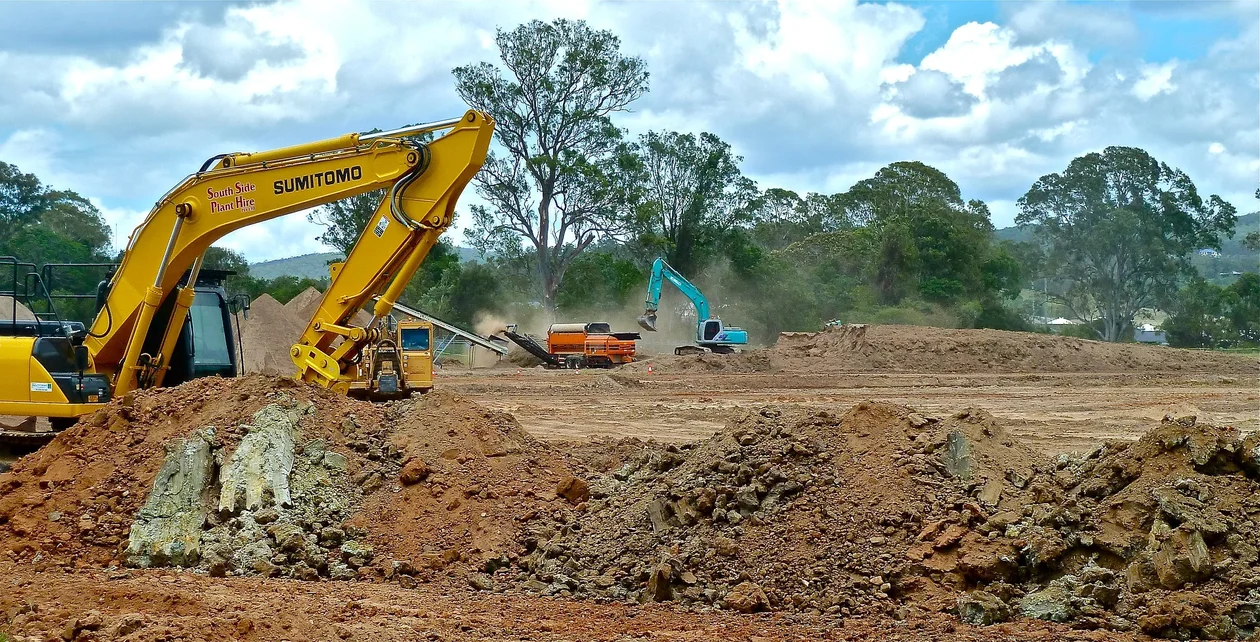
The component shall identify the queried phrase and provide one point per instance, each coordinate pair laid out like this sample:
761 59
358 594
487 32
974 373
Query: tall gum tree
693 192
562 177
1119 228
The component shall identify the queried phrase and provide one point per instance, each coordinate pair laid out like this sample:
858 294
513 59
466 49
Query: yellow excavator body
129 345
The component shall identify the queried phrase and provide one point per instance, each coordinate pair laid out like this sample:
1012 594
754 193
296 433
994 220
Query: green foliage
284 288
22 199
692 192
344 220
1210 316
1198 321
1119 227
451 290
600 280
1252 241
564 179
1244 308
40 225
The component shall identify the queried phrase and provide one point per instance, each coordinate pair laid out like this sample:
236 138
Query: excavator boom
130 342
710 333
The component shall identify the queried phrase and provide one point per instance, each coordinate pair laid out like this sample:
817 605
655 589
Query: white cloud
1155 80
814 95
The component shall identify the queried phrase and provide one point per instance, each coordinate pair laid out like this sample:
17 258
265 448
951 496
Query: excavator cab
712 328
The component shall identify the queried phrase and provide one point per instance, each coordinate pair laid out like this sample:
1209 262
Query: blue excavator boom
711 334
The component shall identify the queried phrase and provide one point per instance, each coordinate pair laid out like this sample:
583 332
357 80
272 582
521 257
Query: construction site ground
87 597
1055 413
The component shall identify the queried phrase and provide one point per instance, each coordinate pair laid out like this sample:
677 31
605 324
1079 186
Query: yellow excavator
54 370
397 364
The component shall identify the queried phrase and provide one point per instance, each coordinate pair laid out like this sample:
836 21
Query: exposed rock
957 456
991 492
658 588
1054 602
167 530
574 489
414 472
658 515
257 474
982 608
747 597
1181 559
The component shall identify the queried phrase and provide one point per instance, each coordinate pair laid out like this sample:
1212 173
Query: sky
120 100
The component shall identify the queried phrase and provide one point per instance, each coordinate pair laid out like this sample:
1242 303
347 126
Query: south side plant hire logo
232 198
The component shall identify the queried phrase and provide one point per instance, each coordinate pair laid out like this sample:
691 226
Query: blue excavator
711 335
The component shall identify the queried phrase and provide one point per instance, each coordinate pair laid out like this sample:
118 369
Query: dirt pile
73 502
304 304
470 478
11 310
265 476
811 508
889 348
882 510
268 334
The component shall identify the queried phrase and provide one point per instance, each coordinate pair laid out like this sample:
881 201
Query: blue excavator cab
711 334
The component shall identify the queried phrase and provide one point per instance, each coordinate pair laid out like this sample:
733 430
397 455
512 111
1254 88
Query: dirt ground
1053 412
164 605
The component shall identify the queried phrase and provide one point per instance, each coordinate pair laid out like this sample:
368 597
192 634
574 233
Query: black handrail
49 276
31 286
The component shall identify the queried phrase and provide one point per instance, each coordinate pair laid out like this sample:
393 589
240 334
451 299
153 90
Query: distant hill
1233 257
1014 233
315 266
468 254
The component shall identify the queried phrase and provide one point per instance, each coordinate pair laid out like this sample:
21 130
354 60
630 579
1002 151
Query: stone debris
167 530
258 470
883 508
279 510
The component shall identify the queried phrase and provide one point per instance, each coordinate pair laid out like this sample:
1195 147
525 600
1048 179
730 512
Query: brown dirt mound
440 483
303 305
889 348
470 477
268 334
739 363
881 510
72 501
791 500
7 310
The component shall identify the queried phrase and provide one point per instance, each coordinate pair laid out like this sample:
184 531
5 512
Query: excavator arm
405 226
237 190
662 271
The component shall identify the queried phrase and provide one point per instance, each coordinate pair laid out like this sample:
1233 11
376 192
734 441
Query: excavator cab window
210 342
712 328
415 339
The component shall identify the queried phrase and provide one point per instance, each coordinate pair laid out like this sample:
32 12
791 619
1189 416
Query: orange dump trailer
590 345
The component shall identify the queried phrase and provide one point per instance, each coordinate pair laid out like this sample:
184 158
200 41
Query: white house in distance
1148 333
1058 325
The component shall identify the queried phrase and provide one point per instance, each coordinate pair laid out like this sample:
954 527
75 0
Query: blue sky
118 101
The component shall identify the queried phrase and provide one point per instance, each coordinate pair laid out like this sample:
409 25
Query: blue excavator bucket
648 321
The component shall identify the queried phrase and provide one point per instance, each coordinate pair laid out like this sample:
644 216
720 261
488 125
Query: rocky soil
872 512
884 511
263 476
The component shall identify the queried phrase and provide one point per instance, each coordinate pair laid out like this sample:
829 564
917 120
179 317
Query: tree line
573 210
